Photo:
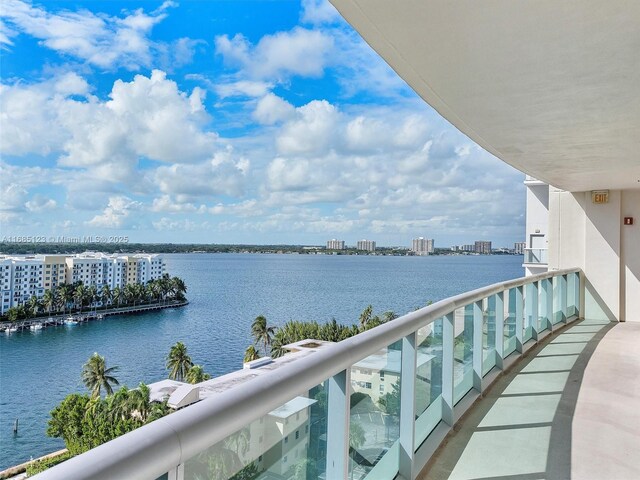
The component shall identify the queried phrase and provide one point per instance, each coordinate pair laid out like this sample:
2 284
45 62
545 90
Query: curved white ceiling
550 87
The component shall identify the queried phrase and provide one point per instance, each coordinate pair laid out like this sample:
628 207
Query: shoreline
83 317
22 467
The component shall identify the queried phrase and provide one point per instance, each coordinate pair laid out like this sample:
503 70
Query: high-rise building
518 247
366 245
482 247
334 244
422 246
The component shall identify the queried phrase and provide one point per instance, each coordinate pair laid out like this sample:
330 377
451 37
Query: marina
36 324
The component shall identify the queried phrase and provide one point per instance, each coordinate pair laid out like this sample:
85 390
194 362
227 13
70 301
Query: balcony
536 256
424 370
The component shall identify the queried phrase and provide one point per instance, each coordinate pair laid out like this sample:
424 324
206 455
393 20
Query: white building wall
592 236
537 223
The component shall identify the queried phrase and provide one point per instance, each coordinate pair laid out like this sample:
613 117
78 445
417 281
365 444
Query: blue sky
229 122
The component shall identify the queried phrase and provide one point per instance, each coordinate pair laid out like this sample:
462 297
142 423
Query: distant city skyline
229 122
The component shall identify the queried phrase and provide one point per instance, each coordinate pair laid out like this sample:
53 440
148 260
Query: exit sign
600 196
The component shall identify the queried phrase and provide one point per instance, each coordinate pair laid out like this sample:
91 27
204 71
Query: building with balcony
366 245
22 277
538 375
334 244
422 246
483 247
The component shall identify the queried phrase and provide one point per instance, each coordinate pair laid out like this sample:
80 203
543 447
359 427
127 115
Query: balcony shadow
521 428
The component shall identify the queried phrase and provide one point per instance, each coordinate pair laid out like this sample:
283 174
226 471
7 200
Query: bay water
226 292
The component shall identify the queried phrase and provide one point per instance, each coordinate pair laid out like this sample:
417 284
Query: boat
100 316
11 329
35 327
71 320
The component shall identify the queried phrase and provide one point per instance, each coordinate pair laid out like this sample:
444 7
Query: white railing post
447 367
477 352
407 406
564 313
548 290
499 306
531 305
338 425
519 319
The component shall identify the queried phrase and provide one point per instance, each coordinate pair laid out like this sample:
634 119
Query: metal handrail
154 449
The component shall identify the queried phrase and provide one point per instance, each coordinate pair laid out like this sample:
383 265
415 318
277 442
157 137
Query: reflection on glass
488 334
374 426
463 352
559 289
530 315
428 380
510 322
546 296
288 442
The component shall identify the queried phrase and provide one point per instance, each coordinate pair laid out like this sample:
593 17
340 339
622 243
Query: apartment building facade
22 277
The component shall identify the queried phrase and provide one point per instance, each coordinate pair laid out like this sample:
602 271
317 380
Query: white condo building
22 277
366 245
334 244
422 246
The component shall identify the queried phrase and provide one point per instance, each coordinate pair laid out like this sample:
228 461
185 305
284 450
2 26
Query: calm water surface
226 291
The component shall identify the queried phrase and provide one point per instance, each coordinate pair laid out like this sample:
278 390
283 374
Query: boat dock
38 323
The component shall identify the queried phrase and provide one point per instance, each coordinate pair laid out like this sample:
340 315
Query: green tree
178 362
251 354
49 300
262 333
66 422
33 306
79 296
196 374
97 376
106 295
118 295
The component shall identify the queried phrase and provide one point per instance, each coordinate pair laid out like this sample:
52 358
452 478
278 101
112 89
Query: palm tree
130 293
92 294
97 376
106 295
178 362
139 401
178 288
251 354
79 295
365 317
196 374
64 296
117 295
34 306
49 300
262 333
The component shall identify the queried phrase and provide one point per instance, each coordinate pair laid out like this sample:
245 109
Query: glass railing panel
488 334
558 287
428 380
573 294
374 424
545 297
288 442
462 352
510 322
530 311
535 255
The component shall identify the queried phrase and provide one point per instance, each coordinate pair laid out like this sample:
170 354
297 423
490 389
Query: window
284 459
297 434
260 457
381 388
286 439
367 384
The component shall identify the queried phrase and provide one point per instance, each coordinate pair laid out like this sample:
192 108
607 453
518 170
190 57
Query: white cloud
243 88
117 214
180 225
277 57
318 12
148 117
223 174
40 203
99 39
272 109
